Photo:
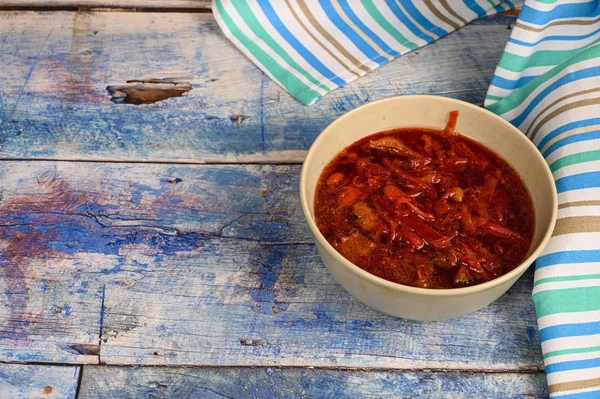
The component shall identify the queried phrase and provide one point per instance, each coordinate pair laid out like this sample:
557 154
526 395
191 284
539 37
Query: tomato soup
425 208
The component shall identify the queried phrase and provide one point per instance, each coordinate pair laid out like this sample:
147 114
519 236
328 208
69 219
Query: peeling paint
147 91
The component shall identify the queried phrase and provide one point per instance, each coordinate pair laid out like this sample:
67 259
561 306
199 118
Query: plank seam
332 368
101 329
124 8
432 370
142 161
79 381
36 363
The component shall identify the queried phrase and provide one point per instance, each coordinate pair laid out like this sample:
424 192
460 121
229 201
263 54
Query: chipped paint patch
266 300
147 91
47 390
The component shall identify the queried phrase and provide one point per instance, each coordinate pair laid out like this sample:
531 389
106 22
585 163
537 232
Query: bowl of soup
426 207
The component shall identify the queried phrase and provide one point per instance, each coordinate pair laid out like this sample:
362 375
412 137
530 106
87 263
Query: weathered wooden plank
65 230
205 265
279 306
266 383
38 381
56 67
199 5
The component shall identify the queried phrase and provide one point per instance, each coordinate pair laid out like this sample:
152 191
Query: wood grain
57 66
38 381
267 383
206 265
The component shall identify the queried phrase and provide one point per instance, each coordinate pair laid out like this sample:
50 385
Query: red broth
426 208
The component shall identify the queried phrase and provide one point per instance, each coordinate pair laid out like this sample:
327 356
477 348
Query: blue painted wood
56 67
38 381
206 265
275 383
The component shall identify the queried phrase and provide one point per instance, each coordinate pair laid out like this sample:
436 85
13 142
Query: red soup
426 208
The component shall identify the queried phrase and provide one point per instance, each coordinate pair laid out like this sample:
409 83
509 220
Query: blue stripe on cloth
570 140
568 78
569 330
351 34
578 182
510 84
473 5
365 29
295 43
595 394
573 10
566 128
420 18
524 80
407 22
565 257
573 365
546 38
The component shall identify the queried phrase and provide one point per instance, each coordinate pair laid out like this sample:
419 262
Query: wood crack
101 324
22 90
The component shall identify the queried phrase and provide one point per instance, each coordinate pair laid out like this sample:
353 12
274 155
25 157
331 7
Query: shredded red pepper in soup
426 208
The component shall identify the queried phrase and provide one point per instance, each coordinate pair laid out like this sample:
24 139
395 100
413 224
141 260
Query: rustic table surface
149 216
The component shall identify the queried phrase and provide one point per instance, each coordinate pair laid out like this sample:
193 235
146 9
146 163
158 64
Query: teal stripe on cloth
547 84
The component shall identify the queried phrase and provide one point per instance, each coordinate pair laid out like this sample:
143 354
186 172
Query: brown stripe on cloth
556 23
564 108
359 31
574 385
306 10
577 224
579 203
414 21
452 12
542 112
440 15
568 133
293 12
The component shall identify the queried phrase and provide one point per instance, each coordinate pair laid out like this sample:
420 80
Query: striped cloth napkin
311 47
547 83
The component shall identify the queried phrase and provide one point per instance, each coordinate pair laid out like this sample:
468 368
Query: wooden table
161 225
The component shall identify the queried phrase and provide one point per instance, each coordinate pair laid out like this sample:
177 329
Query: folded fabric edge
249 49
284 75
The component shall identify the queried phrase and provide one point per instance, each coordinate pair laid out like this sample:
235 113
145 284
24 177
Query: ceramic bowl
429 112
